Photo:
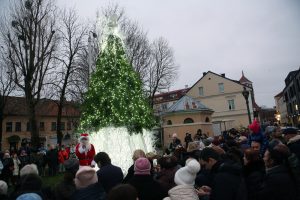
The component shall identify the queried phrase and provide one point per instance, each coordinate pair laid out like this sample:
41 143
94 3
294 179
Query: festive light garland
115 96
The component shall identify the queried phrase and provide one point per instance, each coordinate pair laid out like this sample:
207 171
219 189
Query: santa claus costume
85 151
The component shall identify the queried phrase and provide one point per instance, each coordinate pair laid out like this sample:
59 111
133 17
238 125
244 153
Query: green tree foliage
115 96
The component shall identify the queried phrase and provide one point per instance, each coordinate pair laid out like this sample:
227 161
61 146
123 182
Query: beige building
187 115
16 126
225 97
281 109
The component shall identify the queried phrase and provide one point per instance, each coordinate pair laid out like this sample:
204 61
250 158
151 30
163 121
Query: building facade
281 110
225 97
187 115
16 126
291 94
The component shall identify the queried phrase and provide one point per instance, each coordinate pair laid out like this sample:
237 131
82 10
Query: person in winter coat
87 185
138 153
165 177
52 160
108 174
142 181
257 136
24 159
292 139
185 181
226 180
28 183
175 143
8 167
254 172
16 171
62 156
279 183
122 192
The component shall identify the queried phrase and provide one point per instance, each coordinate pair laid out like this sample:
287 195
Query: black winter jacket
254 173
277 185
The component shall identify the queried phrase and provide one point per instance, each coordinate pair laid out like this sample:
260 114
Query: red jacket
62 156
85 156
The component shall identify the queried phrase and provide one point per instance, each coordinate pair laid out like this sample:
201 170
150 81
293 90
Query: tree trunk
35 139
1 129
58 121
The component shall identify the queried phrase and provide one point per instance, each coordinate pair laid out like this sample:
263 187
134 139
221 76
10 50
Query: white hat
3 187
187 174
85 176
29 169
174 135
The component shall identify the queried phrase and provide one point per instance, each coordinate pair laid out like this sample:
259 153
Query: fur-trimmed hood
294 139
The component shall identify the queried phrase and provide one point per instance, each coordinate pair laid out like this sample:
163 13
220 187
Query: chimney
204 73
223 75
186 86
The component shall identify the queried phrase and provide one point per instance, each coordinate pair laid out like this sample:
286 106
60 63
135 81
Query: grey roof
188 104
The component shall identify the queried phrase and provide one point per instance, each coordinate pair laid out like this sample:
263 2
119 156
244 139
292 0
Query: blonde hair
192 146
139 153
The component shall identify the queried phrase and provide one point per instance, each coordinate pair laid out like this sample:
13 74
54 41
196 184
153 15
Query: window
169 122
69 126
62 126
8 126
28 126
42 126
221 87
201 91
207 119
188 121
18 127
231 105
164 106
53 126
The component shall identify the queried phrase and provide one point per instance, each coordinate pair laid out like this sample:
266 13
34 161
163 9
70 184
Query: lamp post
246 96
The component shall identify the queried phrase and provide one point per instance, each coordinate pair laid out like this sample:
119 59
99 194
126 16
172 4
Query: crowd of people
253 165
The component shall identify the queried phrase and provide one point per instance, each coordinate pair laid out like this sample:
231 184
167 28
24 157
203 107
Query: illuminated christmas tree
115 96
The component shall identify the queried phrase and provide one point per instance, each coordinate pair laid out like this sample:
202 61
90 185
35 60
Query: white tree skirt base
120 145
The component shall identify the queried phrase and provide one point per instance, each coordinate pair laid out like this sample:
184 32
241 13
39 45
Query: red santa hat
84 136
254 126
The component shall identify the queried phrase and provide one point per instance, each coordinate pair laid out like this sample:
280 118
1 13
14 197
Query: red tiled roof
170 96
46 107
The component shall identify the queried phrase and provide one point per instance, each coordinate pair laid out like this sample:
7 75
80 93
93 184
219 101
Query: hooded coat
182 192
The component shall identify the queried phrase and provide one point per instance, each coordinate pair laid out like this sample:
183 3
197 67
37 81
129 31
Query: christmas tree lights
115 97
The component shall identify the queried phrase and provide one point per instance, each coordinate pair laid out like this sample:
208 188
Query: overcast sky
261 37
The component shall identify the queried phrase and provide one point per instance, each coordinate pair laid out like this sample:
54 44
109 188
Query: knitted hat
29 169
187 174
29 196
254 126
142 166
85 176
3 187
288 131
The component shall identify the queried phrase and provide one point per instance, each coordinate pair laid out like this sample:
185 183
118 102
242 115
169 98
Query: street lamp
246 96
